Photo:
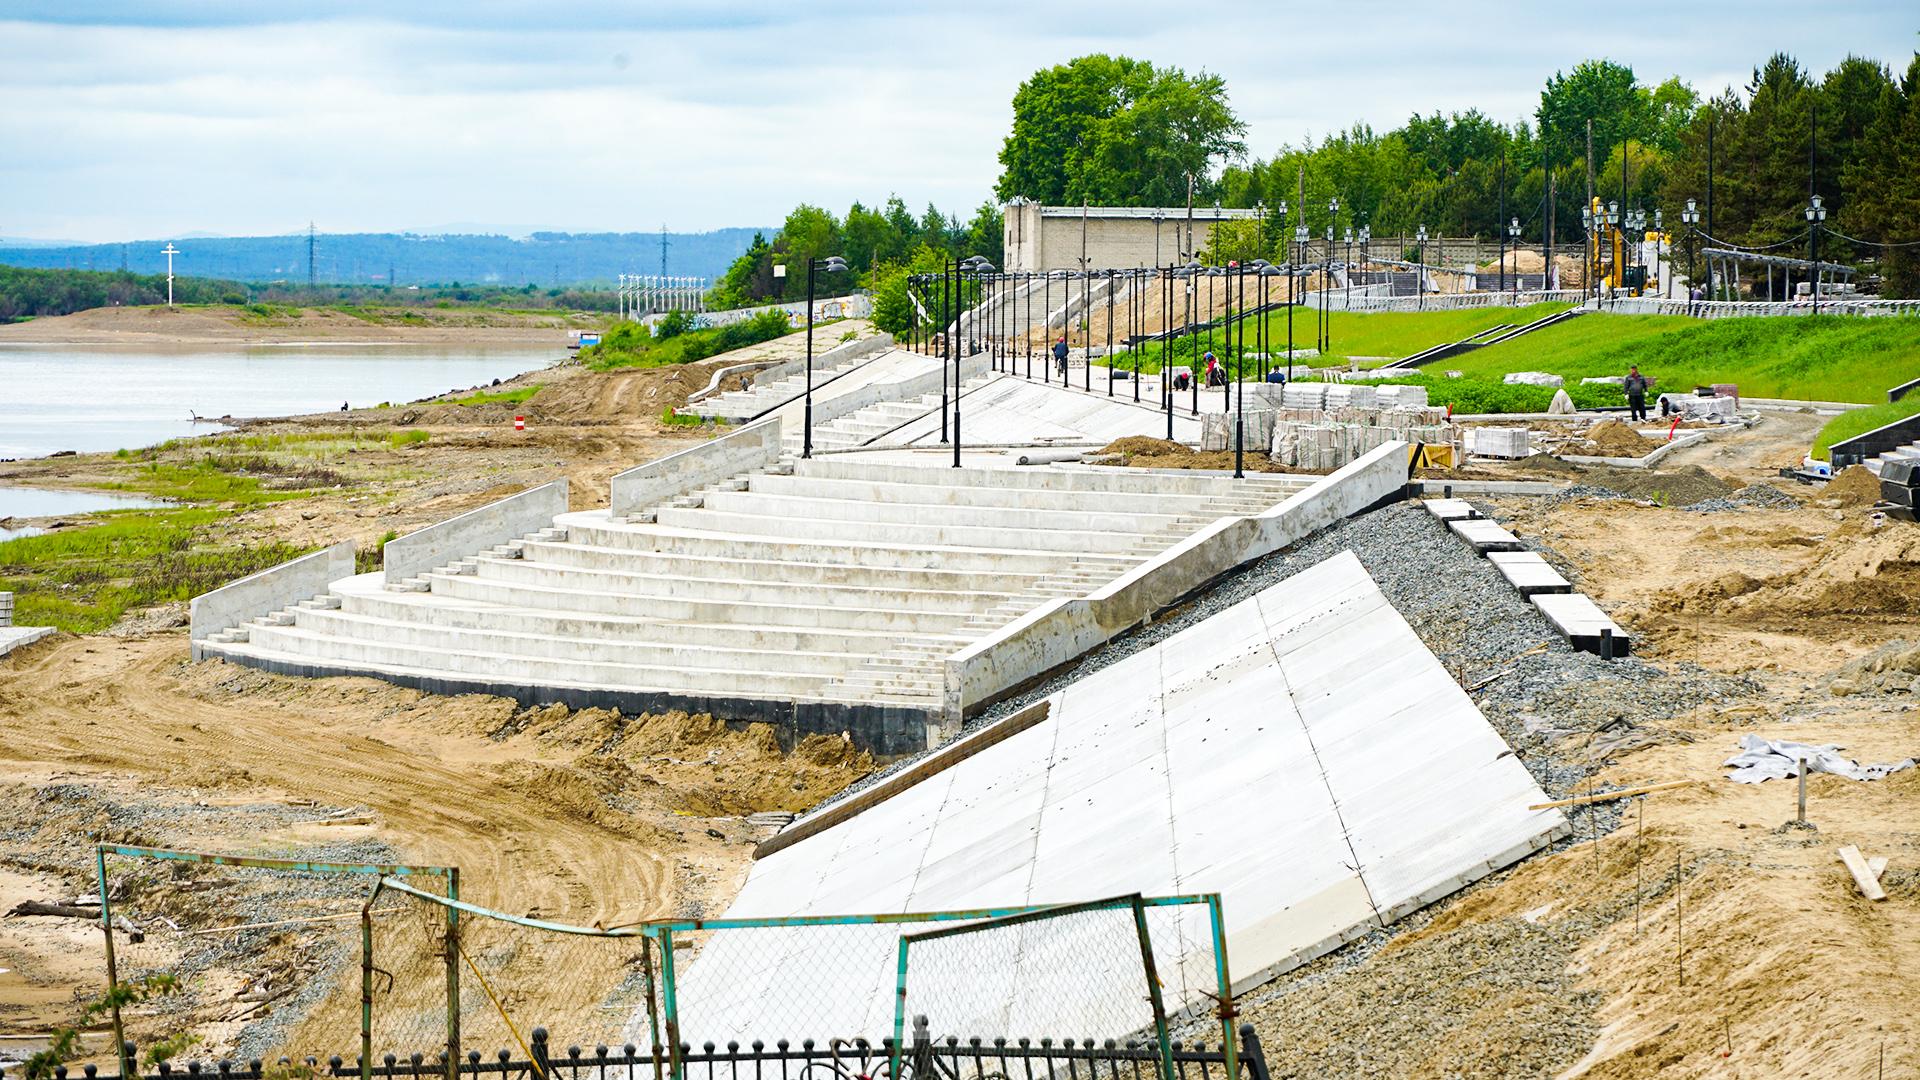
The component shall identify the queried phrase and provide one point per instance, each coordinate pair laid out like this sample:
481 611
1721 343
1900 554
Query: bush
673 324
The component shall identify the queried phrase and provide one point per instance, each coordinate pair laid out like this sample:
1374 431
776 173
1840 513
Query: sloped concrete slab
1302 753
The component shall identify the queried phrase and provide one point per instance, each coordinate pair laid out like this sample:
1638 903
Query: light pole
1420 275
1613 223
1690 217
1513 245
976 265
1326 279
830 264
1293 283
1366 239
1346 272
1816 215
170 251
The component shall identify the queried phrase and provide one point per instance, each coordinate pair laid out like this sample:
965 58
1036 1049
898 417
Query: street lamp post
979 267
1816 215
830 264
1346 273
1690 217
1513 237
1420 275
1326 279
1366 239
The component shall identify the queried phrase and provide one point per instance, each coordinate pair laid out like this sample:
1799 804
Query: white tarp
1301 753
1760 760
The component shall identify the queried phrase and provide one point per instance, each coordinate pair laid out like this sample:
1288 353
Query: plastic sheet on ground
1760 760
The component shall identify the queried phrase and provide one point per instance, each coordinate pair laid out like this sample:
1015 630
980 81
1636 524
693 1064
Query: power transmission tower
663 251
310 239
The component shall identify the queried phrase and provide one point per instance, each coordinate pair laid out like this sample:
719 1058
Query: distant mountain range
541 258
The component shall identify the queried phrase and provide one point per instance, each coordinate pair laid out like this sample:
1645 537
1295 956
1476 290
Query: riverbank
262 324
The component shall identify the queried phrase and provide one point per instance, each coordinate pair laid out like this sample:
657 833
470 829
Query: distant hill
542 258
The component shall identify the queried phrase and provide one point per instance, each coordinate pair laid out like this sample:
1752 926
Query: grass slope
1860 421
1390 334
1823 359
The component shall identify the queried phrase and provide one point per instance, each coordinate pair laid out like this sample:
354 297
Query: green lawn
492 397
1825 359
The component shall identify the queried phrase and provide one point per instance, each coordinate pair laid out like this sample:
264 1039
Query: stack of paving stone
1500 442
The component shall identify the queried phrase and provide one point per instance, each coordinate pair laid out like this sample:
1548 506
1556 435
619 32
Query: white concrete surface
1528 572
14 637
1485 535
464 534
1012 410
1301 753
1451 509
1581 621
268 591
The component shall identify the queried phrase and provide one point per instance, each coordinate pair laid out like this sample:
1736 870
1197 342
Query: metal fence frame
1135 903
384 874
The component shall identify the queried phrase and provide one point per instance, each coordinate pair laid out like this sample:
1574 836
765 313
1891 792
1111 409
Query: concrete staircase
1906 452
859 428
832 587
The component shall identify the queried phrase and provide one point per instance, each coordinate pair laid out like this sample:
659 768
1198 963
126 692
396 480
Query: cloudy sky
241 117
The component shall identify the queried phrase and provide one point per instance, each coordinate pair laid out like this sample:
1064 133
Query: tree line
1120 132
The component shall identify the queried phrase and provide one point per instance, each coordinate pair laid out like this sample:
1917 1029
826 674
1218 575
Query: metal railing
922 1058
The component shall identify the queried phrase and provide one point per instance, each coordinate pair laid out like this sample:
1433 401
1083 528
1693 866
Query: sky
123 121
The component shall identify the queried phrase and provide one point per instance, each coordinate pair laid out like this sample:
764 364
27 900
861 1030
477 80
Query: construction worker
1636 388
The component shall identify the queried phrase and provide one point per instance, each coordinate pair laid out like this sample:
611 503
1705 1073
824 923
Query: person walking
1636 387
1060 355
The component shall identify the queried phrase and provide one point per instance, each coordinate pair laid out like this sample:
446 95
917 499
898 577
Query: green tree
809 233
1117 131
1597 90
749 280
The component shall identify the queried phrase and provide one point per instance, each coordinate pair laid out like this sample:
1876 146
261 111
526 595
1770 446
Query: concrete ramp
1013 411
1302 753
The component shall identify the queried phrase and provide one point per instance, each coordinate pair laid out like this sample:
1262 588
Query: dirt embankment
586 817
221 325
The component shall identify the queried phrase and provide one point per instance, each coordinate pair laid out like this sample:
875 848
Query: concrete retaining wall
267 591
839 354
642 486
1064 629
457 537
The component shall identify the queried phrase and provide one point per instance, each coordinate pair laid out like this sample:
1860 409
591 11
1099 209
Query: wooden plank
1862 873
1605 796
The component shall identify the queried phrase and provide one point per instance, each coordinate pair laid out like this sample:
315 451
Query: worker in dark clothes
1060 356
1636 388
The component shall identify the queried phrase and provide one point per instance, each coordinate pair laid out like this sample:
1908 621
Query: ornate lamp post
831 264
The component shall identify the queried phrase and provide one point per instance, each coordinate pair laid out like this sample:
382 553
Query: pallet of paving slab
1451 509
1485 535
1582 623
1527 572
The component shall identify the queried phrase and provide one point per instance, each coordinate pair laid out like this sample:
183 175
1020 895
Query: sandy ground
1705 936
191 326
582 817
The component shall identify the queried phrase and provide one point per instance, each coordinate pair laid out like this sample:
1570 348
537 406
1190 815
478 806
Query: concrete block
643 486
1528 573
495 523
1498 442
1582 622
268 591
1485 536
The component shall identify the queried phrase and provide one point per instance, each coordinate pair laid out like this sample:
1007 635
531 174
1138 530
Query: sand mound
1611 438
1143 444
1854 486
1873 575
1518 262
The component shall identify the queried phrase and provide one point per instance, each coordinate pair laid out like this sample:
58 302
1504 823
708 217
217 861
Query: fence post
453 975
653 1008
900 1006
670 1002
1225 981
113 972
542 1058
1255 1055
366 983
1153 989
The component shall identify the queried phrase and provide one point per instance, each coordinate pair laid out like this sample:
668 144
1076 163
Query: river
88 398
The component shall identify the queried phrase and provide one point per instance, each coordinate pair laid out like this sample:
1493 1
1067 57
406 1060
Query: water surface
90 398
25 502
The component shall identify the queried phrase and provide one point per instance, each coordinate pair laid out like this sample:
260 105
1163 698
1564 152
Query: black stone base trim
885 731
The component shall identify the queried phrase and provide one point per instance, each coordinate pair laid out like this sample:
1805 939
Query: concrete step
1083 479
663 586
789 571
1208 506
594 528
1126 519
442 611
698 609
992 537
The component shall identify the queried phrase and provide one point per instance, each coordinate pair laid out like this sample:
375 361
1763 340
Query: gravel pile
1751 497
1577 492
